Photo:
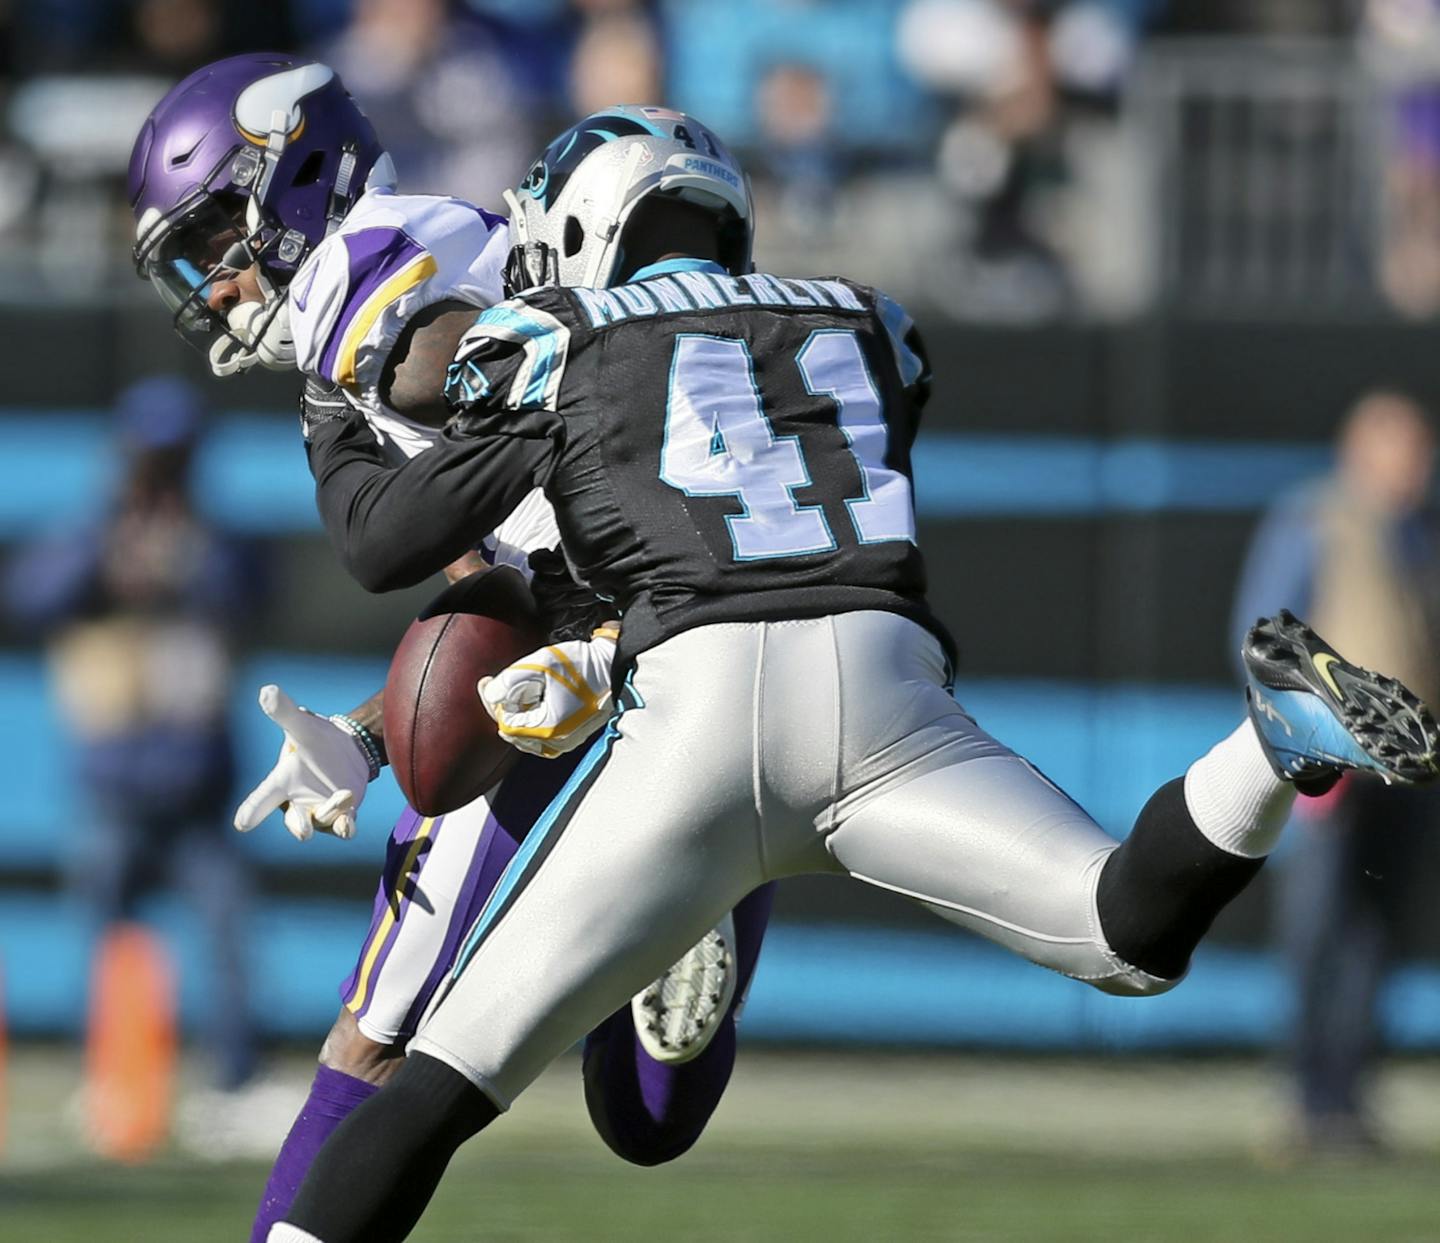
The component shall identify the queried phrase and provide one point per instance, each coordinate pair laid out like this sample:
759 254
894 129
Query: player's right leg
1318 716
438 874
954 820
596 903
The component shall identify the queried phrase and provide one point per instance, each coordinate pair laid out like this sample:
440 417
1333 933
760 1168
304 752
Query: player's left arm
393 526
912 360
556 698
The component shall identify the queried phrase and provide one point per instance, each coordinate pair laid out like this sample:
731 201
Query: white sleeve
530 526
390 259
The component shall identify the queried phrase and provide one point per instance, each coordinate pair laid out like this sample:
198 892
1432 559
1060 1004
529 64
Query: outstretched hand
319 778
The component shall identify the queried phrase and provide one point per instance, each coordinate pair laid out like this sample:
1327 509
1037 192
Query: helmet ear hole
574 237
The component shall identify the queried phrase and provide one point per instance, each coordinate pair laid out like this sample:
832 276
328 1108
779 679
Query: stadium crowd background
984 149
1158 248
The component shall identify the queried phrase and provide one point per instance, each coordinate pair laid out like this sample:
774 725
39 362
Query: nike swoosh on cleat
1322 662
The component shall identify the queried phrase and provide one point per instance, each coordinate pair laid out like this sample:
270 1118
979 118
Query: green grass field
826 1148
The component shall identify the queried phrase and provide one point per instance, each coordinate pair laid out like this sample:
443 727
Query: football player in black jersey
728 454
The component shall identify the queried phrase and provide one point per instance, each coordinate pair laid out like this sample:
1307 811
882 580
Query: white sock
283 1232
1235 798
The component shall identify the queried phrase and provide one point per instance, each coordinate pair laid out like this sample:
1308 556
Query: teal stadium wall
1085 495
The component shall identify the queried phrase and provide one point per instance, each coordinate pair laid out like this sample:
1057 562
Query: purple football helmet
248 162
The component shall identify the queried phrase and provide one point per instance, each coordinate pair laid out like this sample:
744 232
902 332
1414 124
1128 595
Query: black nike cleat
1317 715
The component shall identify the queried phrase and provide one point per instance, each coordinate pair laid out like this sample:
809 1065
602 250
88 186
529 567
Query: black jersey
716 448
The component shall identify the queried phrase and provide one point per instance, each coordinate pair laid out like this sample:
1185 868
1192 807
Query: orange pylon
130 1044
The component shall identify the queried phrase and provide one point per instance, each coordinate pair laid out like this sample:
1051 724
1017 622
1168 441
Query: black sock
375 1175
1161 890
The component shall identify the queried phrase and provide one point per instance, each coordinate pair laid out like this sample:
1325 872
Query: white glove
554 699
319 778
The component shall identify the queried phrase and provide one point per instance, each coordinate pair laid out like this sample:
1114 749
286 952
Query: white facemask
260 334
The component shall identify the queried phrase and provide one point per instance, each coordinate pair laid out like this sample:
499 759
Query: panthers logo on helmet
569 215
548 175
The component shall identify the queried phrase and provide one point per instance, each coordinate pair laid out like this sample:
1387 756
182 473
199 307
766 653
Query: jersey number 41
719 442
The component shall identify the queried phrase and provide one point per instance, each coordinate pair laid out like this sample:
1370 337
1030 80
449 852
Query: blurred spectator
138 609
176 36
798 155
616 59
1356 555
440 96
719 55
1401 43
991 59
535 39
1032 87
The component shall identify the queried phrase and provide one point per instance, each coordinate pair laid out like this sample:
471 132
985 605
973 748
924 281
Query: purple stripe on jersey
375 256
391 897
493 853
519 802
492 221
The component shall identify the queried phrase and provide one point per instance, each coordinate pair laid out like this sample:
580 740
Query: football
444 749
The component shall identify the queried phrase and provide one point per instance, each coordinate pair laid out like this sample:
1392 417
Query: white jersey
392 256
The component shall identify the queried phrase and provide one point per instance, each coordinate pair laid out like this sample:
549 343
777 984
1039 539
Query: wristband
364 739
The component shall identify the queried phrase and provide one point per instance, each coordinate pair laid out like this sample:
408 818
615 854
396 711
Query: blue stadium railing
816 984
252 475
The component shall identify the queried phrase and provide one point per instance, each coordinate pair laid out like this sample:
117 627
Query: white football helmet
567 219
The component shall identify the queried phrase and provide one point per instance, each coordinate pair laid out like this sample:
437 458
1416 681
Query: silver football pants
751 751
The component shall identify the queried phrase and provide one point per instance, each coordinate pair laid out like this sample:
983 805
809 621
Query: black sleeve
569 609
919 388
912 359
394 526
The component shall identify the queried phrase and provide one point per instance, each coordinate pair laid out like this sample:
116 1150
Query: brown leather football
444 749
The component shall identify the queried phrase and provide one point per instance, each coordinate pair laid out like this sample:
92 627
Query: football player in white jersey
269 222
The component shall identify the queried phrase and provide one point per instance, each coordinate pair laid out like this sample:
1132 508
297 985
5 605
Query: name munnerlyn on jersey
392 256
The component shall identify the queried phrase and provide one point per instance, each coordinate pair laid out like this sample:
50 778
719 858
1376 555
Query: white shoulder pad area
314 301
391 257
